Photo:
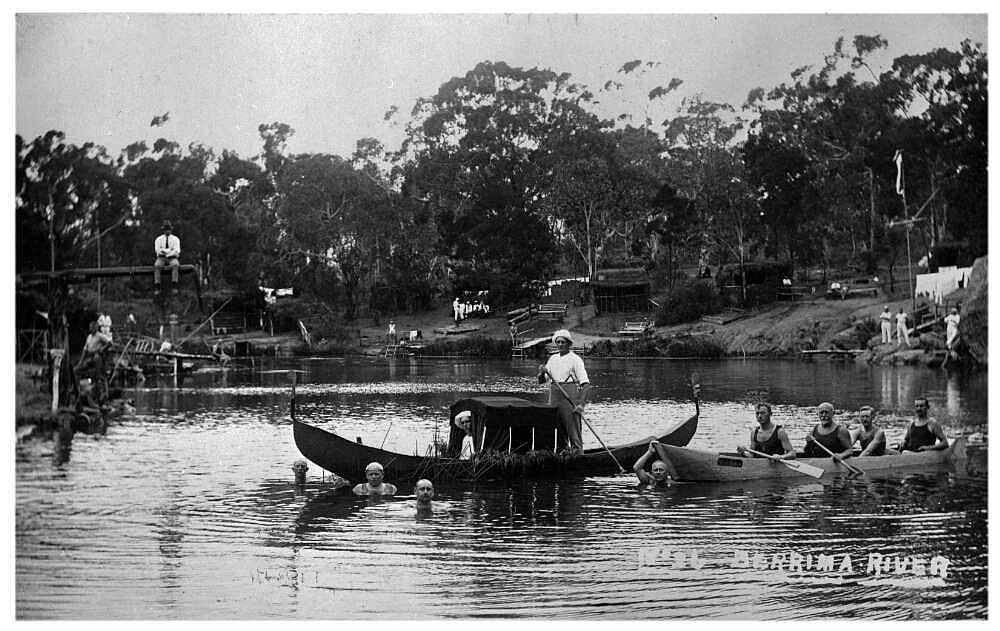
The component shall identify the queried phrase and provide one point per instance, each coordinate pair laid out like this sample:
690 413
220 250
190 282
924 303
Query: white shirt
566 368
168 246
885 316
468 448
901 319
952 320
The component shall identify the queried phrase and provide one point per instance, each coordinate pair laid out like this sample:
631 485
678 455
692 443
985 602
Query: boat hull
697 465
349 459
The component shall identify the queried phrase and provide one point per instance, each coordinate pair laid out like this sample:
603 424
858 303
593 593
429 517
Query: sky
102 77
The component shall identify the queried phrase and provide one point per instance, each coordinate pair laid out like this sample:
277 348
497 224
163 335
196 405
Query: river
187 509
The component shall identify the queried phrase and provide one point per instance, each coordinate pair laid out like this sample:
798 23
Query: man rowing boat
834 436
769 438
870 436
923 433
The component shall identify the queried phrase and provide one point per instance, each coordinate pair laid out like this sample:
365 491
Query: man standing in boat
923 433
568 387
374 485
833 436
769 438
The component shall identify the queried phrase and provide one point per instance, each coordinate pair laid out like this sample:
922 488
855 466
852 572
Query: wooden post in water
57 358
291 406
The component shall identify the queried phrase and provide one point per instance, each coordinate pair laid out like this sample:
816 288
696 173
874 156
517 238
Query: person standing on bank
565 369
902 331
168 252
951 327
886 321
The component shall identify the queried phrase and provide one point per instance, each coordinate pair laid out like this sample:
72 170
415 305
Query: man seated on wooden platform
168 252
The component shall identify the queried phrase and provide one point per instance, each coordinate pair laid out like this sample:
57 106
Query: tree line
507 175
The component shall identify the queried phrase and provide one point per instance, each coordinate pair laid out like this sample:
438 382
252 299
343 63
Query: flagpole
901 190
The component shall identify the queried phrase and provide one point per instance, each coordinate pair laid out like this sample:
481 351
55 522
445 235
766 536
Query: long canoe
698 465
349 459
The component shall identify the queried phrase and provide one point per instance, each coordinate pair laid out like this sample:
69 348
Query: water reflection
189 509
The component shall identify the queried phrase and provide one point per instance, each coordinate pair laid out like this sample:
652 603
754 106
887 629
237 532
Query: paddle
794 465
621 469
850 467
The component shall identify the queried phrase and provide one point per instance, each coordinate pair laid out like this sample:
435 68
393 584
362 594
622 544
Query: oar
849 466
794 465
621 469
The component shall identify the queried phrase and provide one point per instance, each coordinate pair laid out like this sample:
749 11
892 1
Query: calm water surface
187 510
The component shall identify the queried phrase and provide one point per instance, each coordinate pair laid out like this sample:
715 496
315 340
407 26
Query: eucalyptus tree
65 196
325 209
475 154
946 166
704 164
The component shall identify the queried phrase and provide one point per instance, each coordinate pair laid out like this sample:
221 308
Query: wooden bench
857 291
552 311
636 328
224 322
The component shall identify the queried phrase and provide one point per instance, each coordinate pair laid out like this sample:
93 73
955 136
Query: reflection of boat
514 439
697 465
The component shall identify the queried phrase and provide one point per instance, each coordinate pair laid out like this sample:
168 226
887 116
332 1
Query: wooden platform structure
832 351
86 274
77 275
725 318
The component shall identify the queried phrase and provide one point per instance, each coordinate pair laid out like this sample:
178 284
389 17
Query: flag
898 159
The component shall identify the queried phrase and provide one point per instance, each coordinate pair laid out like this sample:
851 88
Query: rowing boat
514 439
698 465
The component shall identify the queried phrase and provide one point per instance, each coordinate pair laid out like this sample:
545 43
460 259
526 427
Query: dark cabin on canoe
762 278
621 290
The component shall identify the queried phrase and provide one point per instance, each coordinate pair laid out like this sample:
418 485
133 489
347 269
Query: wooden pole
57 358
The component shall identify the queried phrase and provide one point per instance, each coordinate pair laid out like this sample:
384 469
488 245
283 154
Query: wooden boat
515 438
698 465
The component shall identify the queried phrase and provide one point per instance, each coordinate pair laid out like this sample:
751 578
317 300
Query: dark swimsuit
831 441
771 446
917 436
878 451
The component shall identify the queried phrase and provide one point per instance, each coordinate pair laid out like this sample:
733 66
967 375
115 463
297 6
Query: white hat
373 467
463 414
562 333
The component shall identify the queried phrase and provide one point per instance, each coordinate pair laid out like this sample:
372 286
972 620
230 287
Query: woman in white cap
374 485
566 368
463 421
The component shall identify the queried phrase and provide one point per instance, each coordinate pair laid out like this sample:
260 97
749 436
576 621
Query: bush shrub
689 301
687 346
476 346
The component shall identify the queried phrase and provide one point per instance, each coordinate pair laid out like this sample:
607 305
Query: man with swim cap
374 485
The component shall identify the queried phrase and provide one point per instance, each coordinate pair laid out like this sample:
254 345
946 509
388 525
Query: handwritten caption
792 562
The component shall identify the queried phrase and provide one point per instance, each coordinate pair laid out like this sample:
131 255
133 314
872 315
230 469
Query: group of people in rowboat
826 439
829 438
